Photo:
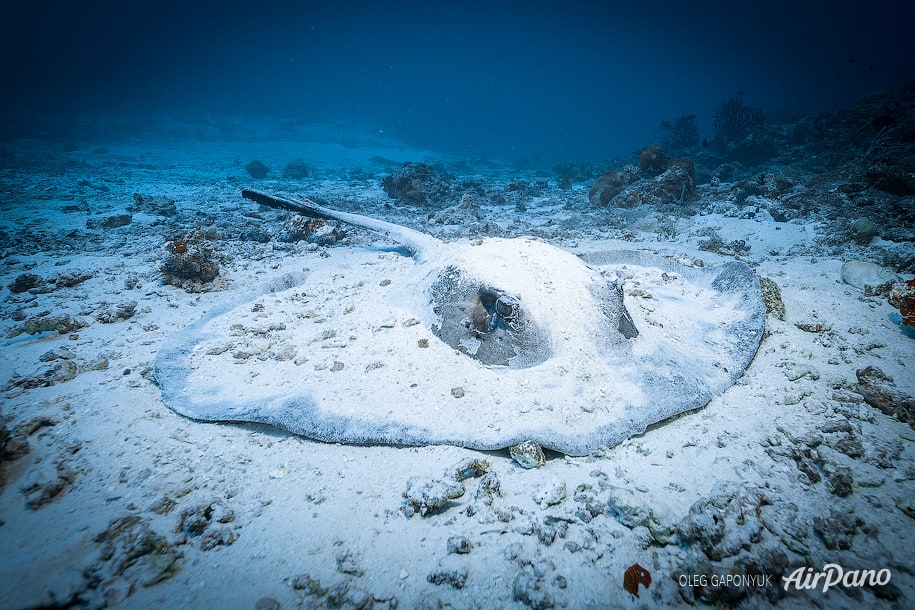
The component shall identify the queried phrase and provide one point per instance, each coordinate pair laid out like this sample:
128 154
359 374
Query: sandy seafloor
121 501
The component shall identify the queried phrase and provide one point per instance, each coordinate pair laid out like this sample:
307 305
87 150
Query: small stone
195 520
163 506
339 596
296 170
283 353
123 312
158 205
39 493
795 372
70 279
109 222
838 425
257 170
626 509
190 262
837 530
794 398
489 488
42 323
459 545
528 454
879 391
221 536
33 425
725 523
841 483
416 184
384 282
813 327
513 552
456 577
551 494
116 590
861 274
849 445
267 603
457 392
25 282
17 447
901 295
336 366
423 343
470 467
312 586
131 549
347 564
427 496
906 505
51 356
772 297
864 230
529 589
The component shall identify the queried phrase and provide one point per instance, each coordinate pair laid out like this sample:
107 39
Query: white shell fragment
528 454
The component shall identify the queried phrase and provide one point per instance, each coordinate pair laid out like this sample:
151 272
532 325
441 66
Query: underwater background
158 264
570 81
154 270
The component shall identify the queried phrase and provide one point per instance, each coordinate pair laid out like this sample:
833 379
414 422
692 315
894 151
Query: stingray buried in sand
522 341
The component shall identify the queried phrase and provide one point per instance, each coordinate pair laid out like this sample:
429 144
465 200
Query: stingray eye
507 307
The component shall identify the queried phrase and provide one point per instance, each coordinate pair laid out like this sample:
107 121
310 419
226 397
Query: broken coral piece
902 297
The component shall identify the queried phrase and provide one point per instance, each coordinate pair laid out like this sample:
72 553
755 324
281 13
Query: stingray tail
414 241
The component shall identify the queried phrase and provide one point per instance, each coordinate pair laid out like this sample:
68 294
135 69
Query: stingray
482 344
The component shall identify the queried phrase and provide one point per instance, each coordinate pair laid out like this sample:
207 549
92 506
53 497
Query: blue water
557 81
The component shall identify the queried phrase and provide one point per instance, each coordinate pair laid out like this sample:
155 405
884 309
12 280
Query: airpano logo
833 575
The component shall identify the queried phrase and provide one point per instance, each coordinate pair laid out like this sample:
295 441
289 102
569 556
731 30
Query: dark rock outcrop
416 184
